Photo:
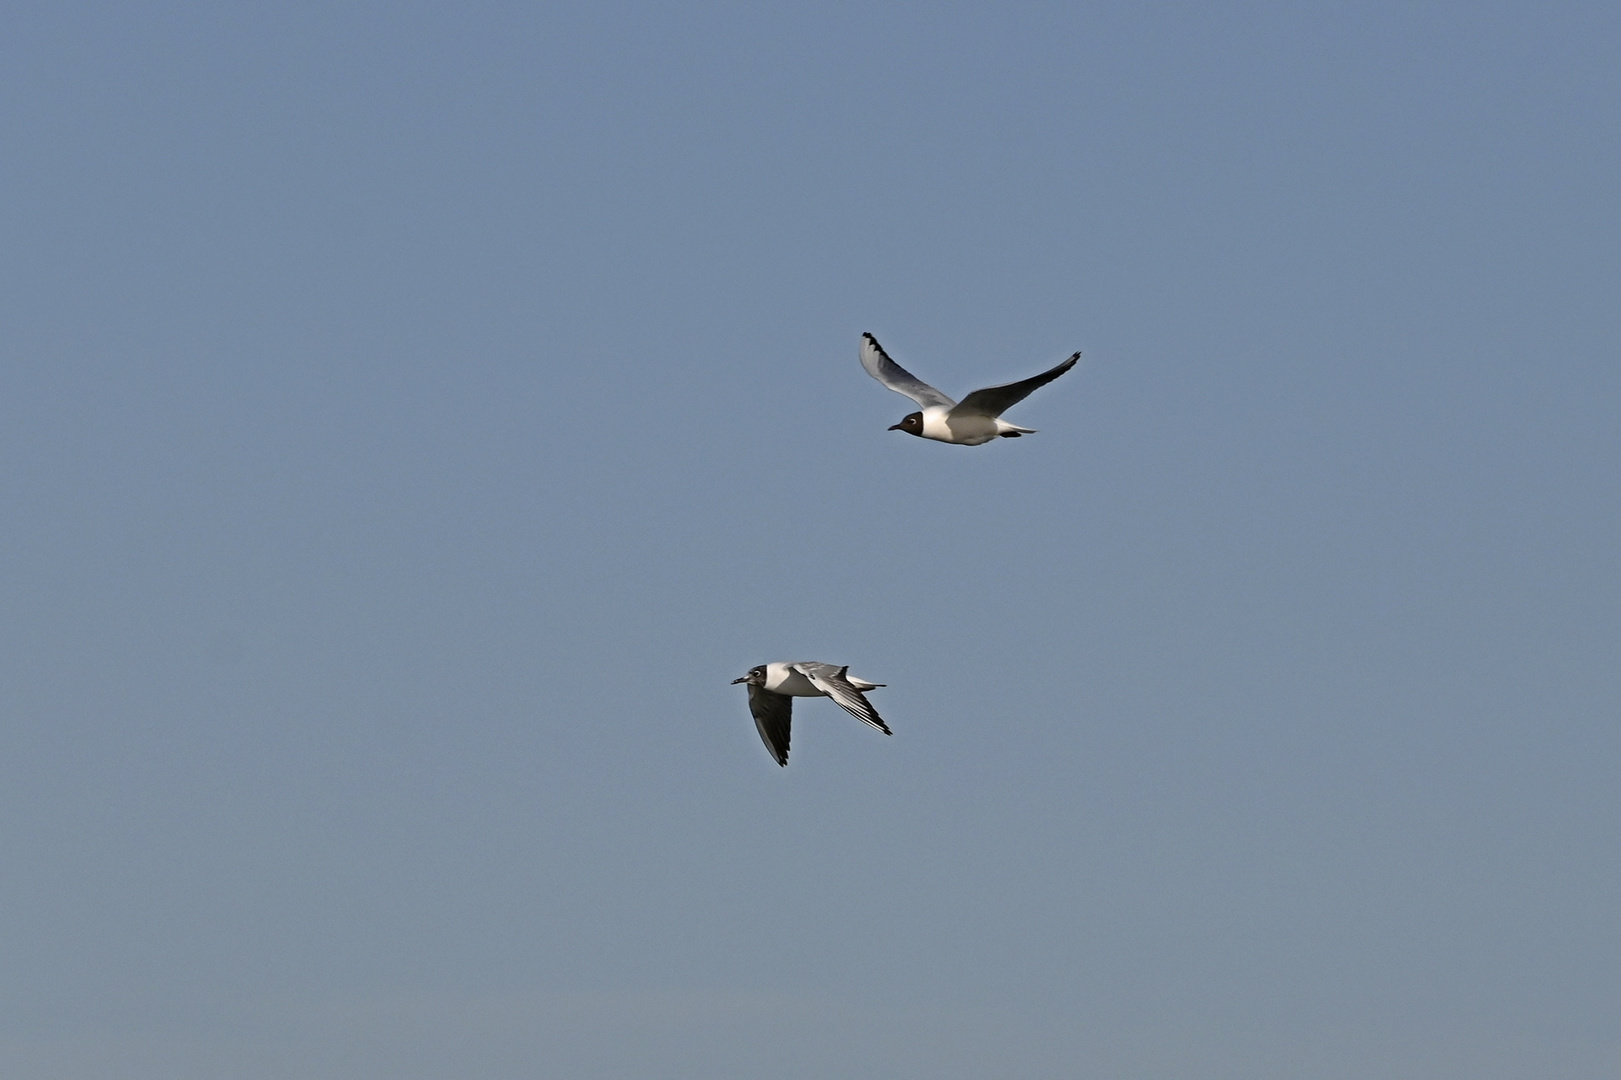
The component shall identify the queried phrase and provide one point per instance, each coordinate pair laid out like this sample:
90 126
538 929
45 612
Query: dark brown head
912 425
755 677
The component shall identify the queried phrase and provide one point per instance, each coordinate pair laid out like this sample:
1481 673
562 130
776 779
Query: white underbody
781 678
970 430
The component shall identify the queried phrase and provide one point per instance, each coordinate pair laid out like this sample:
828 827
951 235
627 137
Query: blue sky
413 416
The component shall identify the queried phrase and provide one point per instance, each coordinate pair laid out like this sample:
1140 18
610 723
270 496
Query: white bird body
787 678
976 419
972 429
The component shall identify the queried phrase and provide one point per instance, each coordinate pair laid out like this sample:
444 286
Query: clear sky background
414 415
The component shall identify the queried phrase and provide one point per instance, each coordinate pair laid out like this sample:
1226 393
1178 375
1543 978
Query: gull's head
755 677
912 425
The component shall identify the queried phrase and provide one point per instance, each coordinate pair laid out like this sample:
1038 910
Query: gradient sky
414 415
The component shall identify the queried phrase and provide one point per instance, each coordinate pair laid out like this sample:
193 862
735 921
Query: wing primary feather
773 718
835 683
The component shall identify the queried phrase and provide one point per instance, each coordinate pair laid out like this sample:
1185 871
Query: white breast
966 430
782 679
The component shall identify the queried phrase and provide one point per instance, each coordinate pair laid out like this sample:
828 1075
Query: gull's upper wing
832 681
992 400
772 715
897 378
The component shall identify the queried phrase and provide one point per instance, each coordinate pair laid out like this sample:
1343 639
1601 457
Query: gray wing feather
772 715
832 682
897 378
994 400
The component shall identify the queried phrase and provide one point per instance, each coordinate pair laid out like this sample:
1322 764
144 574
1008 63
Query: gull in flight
773 687
975 419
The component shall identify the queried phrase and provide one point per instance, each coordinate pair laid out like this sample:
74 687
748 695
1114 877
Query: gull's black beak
743 679
897 427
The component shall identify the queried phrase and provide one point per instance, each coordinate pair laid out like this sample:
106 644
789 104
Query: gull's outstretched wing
898 379
772 715
833 682
992 400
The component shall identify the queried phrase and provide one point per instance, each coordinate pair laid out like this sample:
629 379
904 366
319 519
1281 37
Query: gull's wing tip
894 377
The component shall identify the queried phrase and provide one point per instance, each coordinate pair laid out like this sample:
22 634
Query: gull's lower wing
773 714
897 378
993 400
833 682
